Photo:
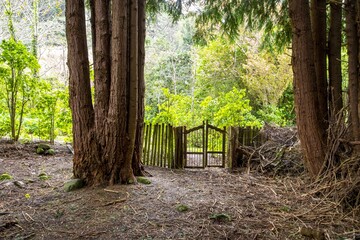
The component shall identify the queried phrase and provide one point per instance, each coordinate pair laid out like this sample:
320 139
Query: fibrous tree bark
353 70
107 134
309 121
335 73
318 28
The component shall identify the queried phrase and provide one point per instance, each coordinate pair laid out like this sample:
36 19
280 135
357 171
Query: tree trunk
141 94
318 26
86 158
309 120
335 75
108 136
353 55
102 64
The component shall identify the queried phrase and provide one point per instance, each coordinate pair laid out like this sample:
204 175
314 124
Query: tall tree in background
107 135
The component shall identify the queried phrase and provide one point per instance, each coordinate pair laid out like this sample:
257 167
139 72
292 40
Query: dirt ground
221 205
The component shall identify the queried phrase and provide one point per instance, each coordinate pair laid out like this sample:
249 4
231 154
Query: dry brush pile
280 155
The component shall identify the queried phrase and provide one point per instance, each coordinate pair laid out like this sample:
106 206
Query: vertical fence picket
163 145
154 148
145 140
166 139
158 146
171 147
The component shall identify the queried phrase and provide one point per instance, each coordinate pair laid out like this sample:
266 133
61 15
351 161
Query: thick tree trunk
86 159
318 26
353 55
107 136
309 120
335 75
117 139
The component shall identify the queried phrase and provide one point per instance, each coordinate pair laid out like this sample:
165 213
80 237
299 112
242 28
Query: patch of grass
5 176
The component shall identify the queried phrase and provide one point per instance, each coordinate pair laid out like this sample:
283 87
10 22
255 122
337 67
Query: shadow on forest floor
178 204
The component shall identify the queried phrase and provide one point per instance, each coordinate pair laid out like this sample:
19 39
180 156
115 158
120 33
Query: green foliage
269 16
174 110
219 67
37 106
234 110
17 65
50 116
15 56
231 83
267 77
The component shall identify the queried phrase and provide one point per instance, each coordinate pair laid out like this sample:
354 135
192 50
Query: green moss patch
220 217
182 208
5 176
143 180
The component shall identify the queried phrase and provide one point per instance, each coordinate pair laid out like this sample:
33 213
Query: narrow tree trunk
335 75
318 26
136 164
13 104
133 88
34 40
353 55
9 14
309 120
102 66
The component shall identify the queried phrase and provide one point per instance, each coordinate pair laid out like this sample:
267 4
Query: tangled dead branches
279 155
340 177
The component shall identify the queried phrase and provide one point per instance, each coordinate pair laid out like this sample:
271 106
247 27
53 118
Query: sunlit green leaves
15 55
234 110
37 103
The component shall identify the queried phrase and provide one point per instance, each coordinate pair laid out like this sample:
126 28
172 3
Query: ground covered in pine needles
177 204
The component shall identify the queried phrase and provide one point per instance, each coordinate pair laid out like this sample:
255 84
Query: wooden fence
158 145
164 144
251 137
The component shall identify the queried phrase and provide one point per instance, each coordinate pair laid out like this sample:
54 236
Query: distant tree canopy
186 82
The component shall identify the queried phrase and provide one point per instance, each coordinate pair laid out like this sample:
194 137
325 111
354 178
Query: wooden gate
204 146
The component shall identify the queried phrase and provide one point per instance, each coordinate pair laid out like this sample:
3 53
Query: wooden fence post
233 144
179 148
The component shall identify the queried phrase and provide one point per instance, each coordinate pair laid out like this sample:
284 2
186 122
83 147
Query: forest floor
221 204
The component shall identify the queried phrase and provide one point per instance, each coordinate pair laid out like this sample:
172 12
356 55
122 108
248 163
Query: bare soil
221 205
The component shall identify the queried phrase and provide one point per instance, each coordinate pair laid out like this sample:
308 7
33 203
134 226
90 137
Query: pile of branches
340 177
280 154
